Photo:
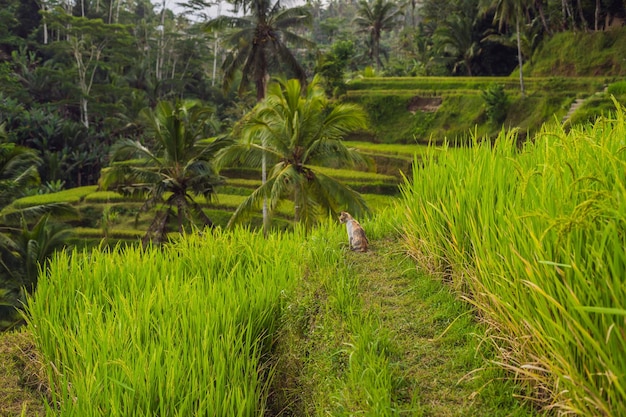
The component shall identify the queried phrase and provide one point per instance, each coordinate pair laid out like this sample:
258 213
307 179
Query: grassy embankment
567 66
535 240
461 112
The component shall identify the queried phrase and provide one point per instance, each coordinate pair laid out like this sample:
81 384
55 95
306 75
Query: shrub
617 88
496 102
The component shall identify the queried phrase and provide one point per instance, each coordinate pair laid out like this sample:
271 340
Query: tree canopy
300 130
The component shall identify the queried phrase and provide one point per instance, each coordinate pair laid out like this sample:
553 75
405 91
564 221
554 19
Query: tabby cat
356 234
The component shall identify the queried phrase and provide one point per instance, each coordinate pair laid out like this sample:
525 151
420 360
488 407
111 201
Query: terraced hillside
425 109
111 217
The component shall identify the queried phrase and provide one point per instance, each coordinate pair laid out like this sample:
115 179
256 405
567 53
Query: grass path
435 336
377 338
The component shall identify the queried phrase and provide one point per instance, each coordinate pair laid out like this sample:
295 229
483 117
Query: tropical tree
507 11
36 245
299 130
456 37
373 18
178 168
259 43
18 170
23 251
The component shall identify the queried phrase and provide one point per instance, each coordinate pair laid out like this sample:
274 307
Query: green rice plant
534 237
357 176
244 182
387 148
617 88
107 197
182 330
72 195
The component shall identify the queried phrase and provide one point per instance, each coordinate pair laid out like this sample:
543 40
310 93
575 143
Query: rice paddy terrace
433 109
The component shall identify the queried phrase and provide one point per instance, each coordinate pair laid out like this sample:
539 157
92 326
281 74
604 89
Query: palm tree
300 131
18 171
36 246
177 169
373 19
259 42
507 11
22 250
456 36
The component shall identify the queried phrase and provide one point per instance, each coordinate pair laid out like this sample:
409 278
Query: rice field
177 331
535 238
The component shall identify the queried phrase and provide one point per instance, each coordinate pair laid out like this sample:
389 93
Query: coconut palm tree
374 17
507 11
456 37
299 131
18 171
178 168
259 43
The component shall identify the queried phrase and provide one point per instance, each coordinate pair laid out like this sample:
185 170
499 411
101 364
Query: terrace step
575 105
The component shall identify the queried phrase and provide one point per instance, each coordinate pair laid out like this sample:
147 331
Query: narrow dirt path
21 393
436 338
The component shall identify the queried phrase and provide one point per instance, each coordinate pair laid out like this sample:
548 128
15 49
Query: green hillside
581 54
567 67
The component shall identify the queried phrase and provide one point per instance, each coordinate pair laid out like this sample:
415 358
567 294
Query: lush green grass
595 107
181 330
369 335
473 85
106 197
534 239
403 150
581 54
462 112
73 195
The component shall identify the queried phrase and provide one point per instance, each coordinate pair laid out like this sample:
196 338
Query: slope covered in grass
580 54
535 237
461 111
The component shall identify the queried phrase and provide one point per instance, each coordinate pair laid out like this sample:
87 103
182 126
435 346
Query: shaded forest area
74 75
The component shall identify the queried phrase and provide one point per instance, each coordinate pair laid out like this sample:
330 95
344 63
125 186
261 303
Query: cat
356 234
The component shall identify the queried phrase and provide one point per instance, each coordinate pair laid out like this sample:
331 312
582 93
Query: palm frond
337 197
59 210
126 149
284 178
226 22
251 203
293 17
198 212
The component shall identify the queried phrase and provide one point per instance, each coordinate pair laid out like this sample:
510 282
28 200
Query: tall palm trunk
261 88
519 57
296 201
